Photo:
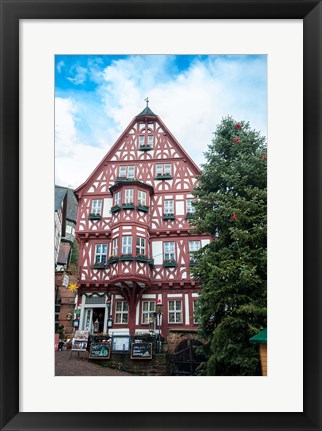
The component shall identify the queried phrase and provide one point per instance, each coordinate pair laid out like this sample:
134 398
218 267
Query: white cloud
191 104
75 160
79 75
60 65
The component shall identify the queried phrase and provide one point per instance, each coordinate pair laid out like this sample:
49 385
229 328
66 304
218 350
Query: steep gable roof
148 114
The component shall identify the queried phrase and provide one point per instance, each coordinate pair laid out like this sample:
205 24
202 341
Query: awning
260 338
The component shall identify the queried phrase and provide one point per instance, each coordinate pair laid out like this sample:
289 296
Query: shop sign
80 340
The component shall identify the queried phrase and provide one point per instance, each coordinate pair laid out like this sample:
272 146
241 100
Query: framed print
290 396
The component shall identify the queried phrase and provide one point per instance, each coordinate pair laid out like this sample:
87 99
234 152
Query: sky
97 96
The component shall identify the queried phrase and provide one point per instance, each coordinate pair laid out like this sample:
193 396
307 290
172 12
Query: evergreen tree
231 205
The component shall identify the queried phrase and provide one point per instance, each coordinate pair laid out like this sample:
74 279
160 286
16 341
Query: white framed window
140 245
131 172
168 207
141 140
163 169
148 309
100 253
121 312
123 172
117 198
158 169
194 246
175 312
194 310
129 196
115 246
169 251
141 197
96 206
189 206
167 169
126 171
126 244
150 140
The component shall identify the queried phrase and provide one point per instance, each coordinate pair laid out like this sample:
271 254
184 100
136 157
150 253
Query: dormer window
150 140
141 140
145 142
127 171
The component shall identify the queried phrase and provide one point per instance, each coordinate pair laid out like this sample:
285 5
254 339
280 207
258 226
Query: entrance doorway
185 359
98 316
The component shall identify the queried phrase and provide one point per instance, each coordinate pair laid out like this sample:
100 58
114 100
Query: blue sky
96 97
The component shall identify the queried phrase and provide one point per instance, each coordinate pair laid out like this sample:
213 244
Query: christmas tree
231 205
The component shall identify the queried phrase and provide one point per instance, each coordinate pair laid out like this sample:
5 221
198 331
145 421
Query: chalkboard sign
100 351
141 351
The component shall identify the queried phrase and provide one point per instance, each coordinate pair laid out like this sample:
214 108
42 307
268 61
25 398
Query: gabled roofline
111 151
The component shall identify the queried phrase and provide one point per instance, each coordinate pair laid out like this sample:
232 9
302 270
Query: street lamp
159 314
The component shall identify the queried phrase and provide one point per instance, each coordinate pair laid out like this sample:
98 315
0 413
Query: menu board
121 343
100 351
141 350
80 340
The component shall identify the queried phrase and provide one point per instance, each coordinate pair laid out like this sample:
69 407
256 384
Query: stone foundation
157 366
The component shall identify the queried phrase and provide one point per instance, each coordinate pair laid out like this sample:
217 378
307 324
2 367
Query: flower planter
170 264
145 148
115 209
126 257
113 260
128 207
168 217
163 177
190 216
94 216
143 208
142 259
99 266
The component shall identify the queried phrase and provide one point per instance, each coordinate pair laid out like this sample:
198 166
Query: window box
151 262
129 206
124 179
115 209
193 262
168 217
170 263
143 208
163 177
93 216
142 258
126 257
145 147
190 215
99 265
113 259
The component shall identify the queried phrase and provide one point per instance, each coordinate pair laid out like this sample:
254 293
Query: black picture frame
11 12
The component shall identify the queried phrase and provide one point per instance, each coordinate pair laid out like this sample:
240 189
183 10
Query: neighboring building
134 235
65 224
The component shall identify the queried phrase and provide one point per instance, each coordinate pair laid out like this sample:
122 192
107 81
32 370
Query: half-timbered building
134 232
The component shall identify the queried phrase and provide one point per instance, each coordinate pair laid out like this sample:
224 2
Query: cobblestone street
80 366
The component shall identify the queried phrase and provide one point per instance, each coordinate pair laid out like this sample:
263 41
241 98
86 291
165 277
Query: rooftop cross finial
147 101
